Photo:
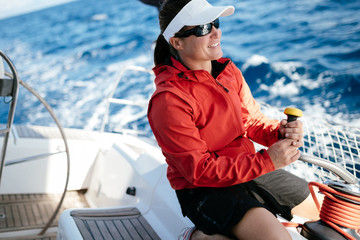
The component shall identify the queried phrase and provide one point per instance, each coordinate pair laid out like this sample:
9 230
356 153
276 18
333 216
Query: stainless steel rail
110 98
333 167
13 93
62 132
32 158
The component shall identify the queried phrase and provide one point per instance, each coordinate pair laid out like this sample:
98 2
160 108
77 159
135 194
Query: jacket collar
174 70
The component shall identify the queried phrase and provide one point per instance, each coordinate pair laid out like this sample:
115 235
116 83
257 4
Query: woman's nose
215 31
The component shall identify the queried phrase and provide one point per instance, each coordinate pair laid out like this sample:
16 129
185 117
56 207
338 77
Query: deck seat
126 223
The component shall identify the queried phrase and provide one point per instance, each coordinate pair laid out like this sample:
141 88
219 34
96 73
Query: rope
336 211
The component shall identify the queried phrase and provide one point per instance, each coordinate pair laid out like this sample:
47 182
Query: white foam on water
254 61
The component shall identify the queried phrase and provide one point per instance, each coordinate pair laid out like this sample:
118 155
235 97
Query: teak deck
20 212
119 224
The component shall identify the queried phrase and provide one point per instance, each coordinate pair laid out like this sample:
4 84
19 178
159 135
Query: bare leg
259 224
307 208
199 235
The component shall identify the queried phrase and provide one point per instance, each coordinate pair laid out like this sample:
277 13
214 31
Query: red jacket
204 126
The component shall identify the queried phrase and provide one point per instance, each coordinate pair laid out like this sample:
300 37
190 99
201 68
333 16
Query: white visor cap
196 12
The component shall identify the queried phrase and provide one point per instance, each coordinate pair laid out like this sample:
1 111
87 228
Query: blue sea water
302 53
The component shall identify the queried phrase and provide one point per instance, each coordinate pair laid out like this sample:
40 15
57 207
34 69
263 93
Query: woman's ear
177 43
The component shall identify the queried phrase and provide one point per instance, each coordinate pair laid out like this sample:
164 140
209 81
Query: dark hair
168 10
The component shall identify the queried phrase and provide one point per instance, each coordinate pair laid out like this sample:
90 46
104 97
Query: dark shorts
218 210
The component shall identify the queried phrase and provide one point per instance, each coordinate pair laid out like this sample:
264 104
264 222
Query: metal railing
330 151
111 100
9 88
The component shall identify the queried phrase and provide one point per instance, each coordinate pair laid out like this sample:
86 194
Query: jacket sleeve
258 127
173 123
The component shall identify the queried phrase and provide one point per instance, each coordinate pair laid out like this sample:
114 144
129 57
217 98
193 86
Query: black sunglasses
200 30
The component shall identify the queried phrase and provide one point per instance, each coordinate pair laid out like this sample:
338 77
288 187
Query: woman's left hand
292 130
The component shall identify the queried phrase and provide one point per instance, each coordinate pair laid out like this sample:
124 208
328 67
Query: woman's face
197 52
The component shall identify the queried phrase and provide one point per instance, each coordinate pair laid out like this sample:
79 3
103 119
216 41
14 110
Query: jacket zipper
231 103
227 90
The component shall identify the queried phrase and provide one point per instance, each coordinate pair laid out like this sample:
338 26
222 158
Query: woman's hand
292 130
284 152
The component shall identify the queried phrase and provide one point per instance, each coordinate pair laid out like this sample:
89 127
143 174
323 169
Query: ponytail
162 50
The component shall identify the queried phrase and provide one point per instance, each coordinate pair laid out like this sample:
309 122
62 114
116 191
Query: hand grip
293 114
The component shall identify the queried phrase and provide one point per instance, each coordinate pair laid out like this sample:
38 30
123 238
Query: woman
203 116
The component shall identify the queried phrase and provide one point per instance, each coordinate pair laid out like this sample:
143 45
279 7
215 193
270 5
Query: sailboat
59 183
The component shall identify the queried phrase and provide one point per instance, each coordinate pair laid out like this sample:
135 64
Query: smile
213 45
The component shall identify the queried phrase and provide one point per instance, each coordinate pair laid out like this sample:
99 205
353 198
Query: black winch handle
293 114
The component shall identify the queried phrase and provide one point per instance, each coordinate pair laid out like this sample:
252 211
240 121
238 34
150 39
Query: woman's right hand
284 152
